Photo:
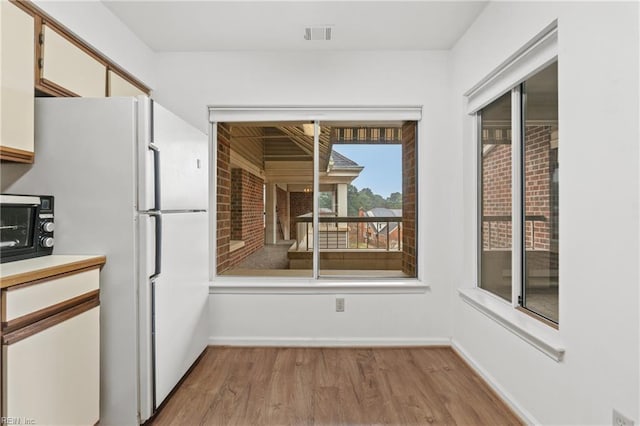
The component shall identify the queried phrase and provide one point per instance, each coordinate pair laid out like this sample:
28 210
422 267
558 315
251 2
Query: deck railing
358 233
497 233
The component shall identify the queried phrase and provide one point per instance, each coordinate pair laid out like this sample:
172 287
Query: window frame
315 283
509 76
518 191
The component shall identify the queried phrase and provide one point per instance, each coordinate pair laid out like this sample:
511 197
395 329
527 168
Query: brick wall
240 206
496 182
300 203
282 206
496 176
537 190
409 198
223 201
247 212
236 204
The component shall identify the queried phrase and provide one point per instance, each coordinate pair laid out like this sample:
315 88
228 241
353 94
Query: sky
382 166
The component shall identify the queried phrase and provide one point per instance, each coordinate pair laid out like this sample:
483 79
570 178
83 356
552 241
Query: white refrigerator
130 181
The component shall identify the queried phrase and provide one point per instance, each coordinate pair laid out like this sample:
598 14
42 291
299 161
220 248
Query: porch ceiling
282 152
282 142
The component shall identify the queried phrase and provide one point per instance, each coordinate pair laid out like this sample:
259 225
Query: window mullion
517 182
477 143
316 193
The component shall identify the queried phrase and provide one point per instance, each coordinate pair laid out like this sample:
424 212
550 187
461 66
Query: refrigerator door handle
158 241
156 176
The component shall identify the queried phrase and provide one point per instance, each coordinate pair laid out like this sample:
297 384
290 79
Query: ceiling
279 25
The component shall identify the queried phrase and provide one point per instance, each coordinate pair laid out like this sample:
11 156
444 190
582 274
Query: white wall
599 299
95 24
188 82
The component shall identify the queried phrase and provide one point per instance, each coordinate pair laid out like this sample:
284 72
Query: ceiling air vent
317 33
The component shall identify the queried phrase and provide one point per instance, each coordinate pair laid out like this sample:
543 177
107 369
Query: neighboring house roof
339 161
380 227
384 212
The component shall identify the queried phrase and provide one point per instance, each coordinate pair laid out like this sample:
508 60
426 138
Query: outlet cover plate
620 420
339 304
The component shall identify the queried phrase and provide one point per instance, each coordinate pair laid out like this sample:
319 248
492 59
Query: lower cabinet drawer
27 299
52 376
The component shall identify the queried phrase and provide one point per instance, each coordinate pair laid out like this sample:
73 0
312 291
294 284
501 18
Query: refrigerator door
86 160
148 233
175 161
177 290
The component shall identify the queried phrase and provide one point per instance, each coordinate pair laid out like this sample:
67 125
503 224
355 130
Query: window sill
531 330
235 245
284 285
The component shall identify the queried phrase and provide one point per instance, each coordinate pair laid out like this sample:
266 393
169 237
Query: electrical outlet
339 304
620 420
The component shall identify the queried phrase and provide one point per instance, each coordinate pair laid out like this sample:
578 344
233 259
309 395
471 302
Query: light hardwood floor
322 386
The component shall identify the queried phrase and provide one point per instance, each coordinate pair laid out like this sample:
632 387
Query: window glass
366 199
363 237
264 199
371 173
540 198
496 197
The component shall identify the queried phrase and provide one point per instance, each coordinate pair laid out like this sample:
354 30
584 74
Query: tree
352 194
394 201
365 199
325 200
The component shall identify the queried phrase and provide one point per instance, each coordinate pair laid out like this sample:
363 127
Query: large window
316 199
518 199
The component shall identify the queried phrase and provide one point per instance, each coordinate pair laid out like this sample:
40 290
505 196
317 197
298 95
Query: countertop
23 271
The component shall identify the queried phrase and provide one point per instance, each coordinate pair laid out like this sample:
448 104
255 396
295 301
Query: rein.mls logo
17 421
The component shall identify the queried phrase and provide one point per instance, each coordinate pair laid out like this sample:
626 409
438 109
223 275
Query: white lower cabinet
53 376
50 333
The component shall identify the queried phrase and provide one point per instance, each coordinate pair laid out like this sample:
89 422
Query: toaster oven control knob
46 242
48 227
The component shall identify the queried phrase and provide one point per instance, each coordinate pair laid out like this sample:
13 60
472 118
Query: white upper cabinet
16 83
118 86
68 66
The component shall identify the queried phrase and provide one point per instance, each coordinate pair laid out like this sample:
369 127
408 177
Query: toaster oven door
18 227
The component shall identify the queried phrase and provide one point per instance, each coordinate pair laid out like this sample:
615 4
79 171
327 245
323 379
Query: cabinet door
53 376
16 79
118 86
66 65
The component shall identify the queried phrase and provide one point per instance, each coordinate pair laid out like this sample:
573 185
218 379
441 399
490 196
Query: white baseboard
327 341
504 394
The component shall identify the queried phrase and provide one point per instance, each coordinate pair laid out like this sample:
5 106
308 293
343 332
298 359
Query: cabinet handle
53 320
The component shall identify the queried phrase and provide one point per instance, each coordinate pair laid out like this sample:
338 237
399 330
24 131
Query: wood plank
230 404
202 383
327 386
422 406
327 408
